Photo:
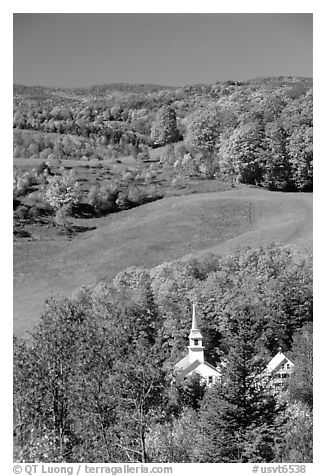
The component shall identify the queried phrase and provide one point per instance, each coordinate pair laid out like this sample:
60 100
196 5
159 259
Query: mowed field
151 234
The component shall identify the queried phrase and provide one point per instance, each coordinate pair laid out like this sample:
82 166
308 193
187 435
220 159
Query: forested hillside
94 380
256 132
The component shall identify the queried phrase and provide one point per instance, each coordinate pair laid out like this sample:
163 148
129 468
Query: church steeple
195 347
194 320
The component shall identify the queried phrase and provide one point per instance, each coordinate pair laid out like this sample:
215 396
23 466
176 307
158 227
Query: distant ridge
99 89
148 87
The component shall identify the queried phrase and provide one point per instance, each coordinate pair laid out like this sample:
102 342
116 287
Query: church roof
195 334
212 367
186 370
184 367
183 363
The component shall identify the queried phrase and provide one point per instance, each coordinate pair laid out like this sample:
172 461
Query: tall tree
164 129
242 153
301 381
204 128
239 411
276 166
300 150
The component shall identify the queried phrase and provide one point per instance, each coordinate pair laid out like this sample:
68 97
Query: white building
194 361
279 370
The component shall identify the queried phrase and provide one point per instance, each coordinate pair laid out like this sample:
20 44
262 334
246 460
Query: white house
279 370
194 361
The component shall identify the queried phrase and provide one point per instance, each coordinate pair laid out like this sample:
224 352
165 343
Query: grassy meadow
164 230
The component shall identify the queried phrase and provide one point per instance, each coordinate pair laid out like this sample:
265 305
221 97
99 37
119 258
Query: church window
196 341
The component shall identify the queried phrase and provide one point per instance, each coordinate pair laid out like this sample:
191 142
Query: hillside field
146 236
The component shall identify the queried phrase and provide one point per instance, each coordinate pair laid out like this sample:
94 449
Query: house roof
276 361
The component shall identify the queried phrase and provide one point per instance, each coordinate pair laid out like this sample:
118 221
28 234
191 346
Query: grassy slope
153 233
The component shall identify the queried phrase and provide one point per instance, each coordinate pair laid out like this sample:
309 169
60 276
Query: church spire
194 320
196 349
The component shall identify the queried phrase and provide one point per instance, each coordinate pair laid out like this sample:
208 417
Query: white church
278 369
194 361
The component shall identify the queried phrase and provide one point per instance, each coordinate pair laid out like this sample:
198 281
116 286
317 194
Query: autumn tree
204 128
241 154
300 150
276 279
295 439
46 375
61 193
168 442
91 381
301 381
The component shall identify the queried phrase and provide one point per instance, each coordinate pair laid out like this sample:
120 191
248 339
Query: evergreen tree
238 415
164 129
276 166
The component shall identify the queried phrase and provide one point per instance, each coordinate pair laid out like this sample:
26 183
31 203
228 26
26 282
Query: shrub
16 203
103 199
22 183
45 153
178 182
41 168
62 214
150 175
122 201
22 212
143 155
128 176
181 150
62 190
136 196
34 212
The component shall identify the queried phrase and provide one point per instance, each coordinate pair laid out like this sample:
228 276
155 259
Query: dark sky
171 49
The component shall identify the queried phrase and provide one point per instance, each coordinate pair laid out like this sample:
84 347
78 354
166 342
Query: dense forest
95 382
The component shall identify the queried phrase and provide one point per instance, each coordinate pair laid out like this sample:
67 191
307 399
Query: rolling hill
150 234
